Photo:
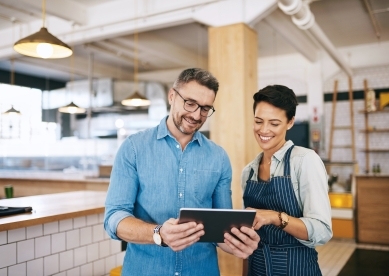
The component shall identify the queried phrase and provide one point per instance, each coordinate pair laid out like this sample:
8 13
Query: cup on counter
9 191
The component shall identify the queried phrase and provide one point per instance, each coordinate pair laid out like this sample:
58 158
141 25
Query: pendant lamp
43 44
12 111
71 108
136 99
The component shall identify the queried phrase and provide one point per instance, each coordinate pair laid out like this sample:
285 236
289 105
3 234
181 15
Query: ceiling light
136 99
43 44
12 111
71 108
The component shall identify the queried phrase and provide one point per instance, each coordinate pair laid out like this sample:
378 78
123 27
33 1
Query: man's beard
180 127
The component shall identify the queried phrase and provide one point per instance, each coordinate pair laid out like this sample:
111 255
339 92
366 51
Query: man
160 170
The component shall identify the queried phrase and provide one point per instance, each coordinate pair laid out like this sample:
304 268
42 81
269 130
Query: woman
287 185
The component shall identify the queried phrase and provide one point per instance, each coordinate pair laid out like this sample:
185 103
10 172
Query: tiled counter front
71 247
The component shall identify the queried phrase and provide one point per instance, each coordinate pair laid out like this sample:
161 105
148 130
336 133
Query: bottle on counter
378 168
374 170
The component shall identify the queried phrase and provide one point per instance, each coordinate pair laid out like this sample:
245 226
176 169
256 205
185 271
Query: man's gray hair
198 75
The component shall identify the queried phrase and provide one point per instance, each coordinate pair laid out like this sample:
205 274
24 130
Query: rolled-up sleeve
313 192
122 190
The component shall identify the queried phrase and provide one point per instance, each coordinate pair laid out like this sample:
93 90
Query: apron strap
287 161
251 174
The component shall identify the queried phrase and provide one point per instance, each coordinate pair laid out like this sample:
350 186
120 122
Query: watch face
157 238
284 217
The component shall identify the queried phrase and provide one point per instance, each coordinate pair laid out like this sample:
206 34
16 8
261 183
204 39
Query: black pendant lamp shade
43 44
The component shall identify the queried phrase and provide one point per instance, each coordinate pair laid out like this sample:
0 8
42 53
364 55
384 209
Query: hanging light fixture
43 44
136 99
12 111
71 108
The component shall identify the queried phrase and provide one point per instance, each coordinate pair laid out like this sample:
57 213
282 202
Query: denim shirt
309 178
151 179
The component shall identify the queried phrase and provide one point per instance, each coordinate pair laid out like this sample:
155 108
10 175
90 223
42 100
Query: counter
63 234
42 182
372 209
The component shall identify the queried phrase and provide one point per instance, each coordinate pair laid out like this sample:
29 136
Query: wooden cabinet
372 208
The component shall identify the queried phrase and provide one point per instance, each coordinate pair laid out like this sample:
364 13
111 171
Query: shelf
342 147
342 127
375 130
340 164
377 111
376 150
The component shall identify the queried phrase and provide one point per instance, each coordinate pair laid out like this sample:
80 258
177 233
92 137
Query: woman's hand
264 217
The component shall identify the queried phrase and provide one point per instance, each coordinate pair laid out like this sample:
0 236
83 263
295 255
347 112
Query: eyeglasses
192 106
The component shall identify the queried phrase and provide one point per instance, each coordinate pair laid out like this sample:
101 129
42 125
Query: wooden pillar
233 61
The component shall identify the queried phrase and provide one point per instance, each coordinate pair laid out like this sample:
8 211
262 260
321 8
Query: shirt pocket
205 184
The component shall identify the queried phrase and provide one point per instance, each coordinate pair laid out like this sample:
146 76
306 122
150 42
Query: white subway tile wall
16 235
3 238
71 247
17 270
34 231
25 250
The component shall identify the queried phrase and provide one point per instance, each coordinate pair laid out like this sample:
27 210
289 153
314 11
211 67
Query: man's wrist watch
284 219
157 236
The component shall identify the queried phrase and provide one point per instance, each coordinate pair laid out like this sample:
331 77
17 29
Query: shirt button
181 170
176 273
178 146
180 194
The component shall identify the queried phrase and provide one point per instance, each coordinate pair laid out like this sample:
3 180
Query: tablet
217 221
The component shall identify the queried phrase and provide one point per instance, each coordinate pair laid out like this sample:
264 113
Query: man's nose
197 113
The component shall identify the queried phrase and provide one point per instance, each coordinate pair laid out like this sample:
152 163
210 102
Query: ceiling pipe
305 20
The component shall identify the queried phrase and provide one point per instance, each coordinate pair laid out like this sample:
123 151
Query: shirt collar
279 155
163 131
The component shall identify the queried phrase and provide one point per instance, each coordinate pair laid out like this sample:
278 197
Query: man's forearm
135 230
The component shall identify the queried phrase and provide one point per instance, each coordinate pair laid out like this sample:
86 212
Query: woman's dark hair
198 75
280 96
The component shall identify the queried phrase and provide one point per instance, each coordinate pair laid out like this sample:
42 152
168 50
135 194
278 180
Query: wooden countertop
51 176
373 175
52 207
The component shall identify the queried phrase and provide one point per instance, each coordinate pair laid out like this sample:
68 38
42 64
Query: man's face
189 122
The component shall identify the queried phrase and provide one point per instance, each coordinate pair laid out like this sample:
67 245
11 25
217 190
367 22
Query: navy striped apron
278 253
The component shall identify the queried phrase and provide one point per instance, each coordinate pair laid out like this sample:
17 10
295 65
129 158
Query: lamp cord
44 12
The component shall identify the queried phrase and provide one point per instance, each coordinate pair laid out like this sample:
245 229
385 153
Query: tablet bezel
217 221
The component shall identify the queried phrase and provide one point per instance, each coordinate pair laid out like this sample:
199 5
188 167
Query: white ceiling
171 34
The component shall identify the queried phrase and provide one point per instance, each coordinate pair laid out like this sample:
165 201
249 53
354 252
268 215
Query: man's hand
180 236
242 247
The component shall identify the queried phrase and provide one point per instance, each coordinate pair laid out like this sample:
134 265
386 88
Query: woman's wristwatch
284 219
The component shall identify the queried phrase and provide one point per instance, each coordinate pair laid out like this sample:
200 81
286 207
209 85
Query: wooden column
233 61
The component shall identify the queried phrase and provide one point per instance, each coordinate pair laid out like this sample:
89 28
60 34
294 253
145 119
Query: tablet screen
217 221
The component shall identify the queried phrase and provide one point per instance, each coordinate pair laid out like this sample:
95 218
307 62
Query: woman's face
270 126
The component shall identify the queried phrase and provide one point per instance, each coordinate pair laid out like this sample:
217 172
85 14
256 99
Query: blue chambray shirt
151 179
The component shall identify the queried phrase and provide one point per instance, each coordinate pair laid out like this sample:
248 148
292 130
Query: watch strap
156 231
284 223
